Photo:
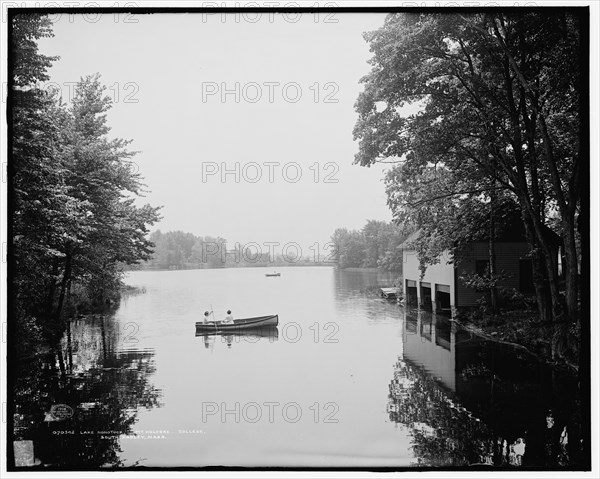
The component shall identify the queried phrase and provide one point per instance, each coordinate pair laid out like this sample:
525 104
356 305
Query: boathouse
440 287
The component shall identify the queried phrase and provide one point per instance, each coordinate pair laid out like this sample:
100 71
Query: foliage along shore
75 222
520 329
500 129
373 248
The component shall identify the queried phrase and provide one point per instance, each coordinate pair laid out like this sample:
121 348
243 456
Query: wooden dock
388 293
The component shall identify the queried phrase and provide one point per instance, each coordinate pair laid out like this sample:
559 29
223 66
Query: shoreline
478 331
291 265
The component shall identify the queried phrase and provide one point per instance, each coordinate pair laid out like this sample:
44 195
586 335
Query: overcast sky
291 112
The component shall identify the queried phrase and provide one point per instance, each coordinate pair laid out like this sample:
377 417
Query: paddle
214 319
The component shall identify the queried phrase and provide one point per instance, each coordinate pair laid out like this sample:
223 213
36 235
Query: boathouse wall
438 278
512 258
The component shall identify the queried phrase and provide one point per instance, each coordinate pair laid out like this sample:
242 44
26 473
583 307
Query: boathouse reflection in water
469 401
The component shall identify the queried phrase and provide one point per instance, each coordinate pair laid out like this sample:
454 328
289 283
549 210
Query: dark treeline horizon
376 245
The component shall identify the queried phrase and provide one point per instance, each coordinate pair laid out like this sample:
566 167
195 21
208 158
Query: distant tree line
376 245
74 219
181 250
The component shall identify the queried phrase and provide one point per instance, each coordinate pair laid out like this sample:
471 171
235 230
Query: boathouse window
411 293
526 276
482 268
426 296
442 298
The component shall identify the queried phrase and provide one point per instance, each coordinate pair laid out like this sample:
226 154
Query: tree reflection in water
103 387
492 404
444 433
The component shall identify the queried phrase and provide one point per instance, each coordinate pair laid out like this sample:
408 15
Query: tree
382 241
376 245
500 100
105 228
373 232
74 215
349 248
40 195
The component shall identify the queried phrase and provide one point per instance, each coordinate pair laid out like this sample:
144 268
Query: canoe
273 274
237 325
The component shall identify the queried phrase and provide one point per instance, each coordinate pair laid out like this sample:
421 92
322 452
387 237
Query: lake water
346 380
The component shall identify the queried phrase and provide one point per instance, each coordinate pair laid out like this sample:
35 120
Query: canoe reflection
238 336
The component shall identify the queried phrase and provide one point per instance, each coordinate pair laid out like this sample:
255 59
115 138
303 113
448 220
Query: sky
243 123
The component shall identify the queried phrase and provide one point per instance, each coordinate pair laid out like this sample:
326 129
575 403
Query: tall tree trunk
571 270
103 335
565 200
492 254
51 290
540 282
549 265
544 269
61 361
69 347
63 287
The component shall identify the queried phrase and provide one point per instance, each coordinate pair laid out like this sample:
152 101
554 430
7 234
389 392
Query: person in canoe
229 318
206 315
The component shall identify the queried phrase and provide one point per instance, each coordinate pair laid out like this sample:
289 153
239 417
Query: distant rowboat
237 325
273 274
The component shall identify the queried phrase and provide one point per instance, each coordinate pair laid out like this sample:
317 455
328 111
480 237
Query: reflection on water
471 401
373 385
99 395
444 433
355 282
270 333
